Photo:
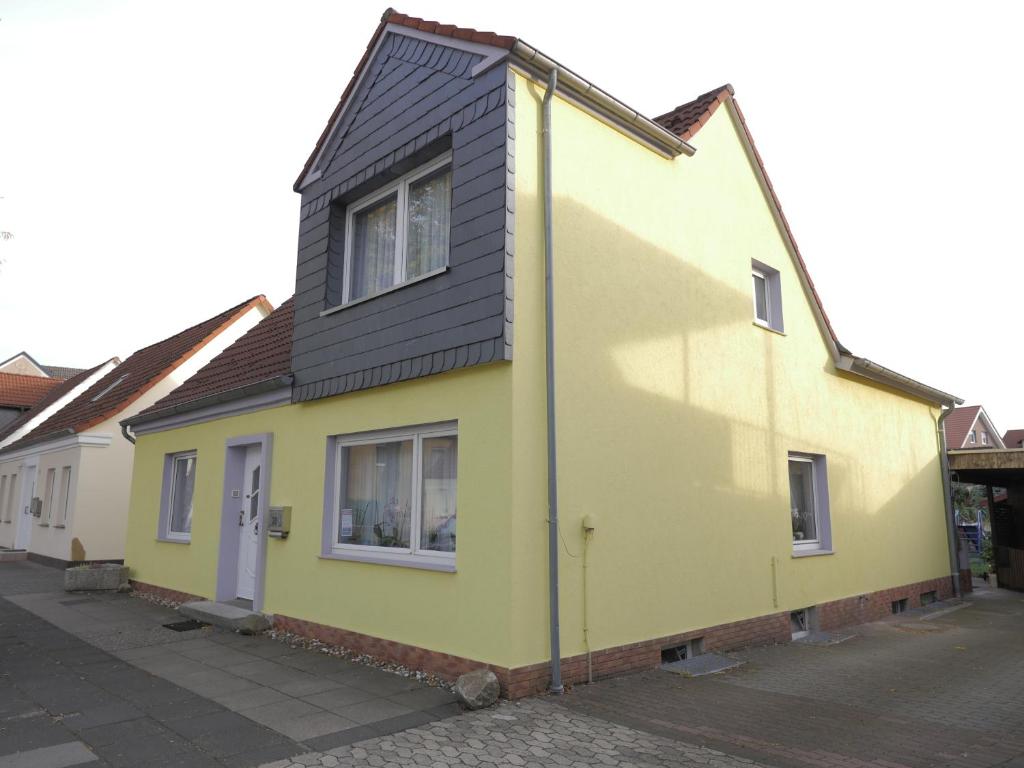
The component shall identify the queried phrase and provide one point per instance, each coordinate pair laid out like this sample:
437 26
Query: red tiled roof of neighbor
391 16
20 391
686 119
135 376
60 389
263 353
1014 438
958 424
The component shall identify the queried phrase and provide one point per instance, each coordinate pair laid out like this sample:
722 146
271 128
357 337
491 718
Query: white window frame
772 296
400 188
822 544
984 437
51 481
167 498
65 490
412 555
12 481
973 437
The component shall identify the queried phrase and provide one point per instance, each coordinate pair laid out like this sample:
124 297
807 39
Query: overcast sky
147 154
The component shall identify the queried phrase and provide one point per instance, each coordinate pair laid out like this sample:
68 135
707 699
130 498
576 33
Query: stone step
225 615
9 555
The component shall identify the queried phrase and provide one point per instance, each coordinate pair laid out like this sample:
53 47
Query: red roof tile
1014 438
958 424
686 119
391 16
262 354
20 391
56 393
135 376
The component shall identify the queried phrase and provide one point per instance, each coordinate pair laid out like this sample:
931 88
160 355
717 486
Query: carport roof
995 466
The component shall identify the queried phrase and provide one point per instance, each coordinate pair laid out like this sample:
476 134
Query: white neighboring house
65 479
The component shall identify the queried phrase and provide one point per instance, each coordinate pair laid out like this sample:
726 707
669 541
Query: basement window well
801 622
687 650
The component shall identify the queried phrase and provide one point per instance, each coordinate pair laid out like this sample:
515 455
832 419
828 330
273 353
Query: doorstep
226 615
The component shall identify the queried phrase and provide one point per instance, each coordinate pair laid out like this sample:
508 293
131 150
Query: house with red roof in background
969 426
65 465
24 382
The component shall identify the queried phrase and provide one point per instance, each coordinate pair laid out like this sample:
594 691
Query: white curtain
801 499
184 483
373 251
429 223
440 462
377 494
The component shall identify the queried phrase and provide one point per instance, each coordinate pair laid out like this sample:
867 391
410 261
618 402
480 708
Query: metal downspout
549 322
126 431
947 491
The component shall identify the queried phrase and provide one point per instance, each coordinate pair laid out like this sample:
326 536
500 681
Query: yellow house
664 448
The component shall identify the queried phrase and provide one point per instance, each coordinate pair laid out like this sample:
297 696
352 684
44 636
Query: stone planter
97 577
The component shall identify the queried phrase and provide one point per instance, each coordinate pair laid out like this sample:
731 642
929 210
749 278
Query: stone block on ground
478 689
96 577
227 616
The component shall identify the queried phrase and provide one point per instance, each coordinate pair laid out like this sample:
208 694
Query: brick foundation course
608 662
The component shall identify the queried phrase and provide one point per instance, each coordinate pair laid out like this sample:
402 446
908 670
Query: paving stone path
531 734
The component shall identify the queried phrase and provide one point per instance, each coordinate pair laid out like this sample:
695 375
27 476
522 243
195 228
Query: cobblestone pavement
533 734
913 693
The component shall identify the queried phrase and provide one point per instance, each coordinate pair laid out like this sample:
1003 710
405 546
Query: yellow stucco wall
676 413
675 416
464 613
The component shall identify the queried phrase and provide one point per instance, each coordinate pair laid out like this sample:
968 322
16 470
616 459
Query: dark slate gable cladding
417 100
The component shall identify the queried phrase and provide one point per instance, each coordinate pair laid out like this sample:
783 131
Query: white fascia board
491 57
47 412
58 444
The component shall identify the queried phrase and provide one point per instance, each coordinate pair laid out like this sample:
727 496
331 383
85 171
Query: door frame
227 560
27 475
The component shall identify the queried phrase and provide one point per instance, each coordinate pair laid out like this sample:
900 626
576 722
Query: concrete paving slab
338 698
57 756
373 711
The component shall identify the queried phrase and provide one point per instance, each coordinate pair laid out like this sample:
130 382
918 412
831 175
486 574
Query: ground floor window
395 494
808 503
177 503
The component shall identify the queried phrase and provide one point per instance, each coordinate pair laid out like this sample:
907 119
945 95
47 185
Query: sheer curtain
440 460
183 488
801 499
429 209
373 250
377 494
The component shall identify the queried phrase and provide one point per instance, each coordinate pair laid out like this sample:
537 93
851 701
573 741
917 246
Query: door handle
241 518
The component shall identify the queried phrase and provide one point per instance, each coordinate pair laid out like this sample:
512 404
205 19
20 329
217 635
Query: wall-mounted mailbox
280 522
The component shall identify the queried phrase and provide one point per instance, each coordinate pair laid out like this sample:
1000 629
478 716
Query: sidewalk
297 700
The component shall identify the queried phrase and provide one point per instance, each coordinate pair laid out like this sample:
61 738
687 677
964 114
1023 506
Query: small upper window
399 233
984 438
973 438
767 296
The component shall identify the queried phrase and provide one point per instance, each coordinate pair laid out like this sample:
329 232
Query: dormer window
400 233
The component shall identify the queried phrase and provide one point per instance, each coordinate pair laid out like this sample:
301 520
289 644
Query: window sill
812 552
60 526
173 541
43 525
7 521
402 560
765 327
385 292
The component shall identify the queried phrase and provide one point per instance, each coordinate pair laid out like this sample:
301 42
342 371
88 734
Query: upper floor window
399 233
984 438
767 296
973 438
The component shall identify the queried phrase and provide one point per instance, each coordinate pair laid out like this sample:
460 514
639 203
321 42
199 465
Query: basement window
687 650
899 606
927 598
801 622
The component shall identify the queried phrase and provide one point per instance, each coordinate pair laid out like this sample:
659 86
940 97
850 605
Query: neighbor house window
767 296
808 503
973 436
395 496
399 233
48 500
179 489
10 497
65 494
4 514
984 438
